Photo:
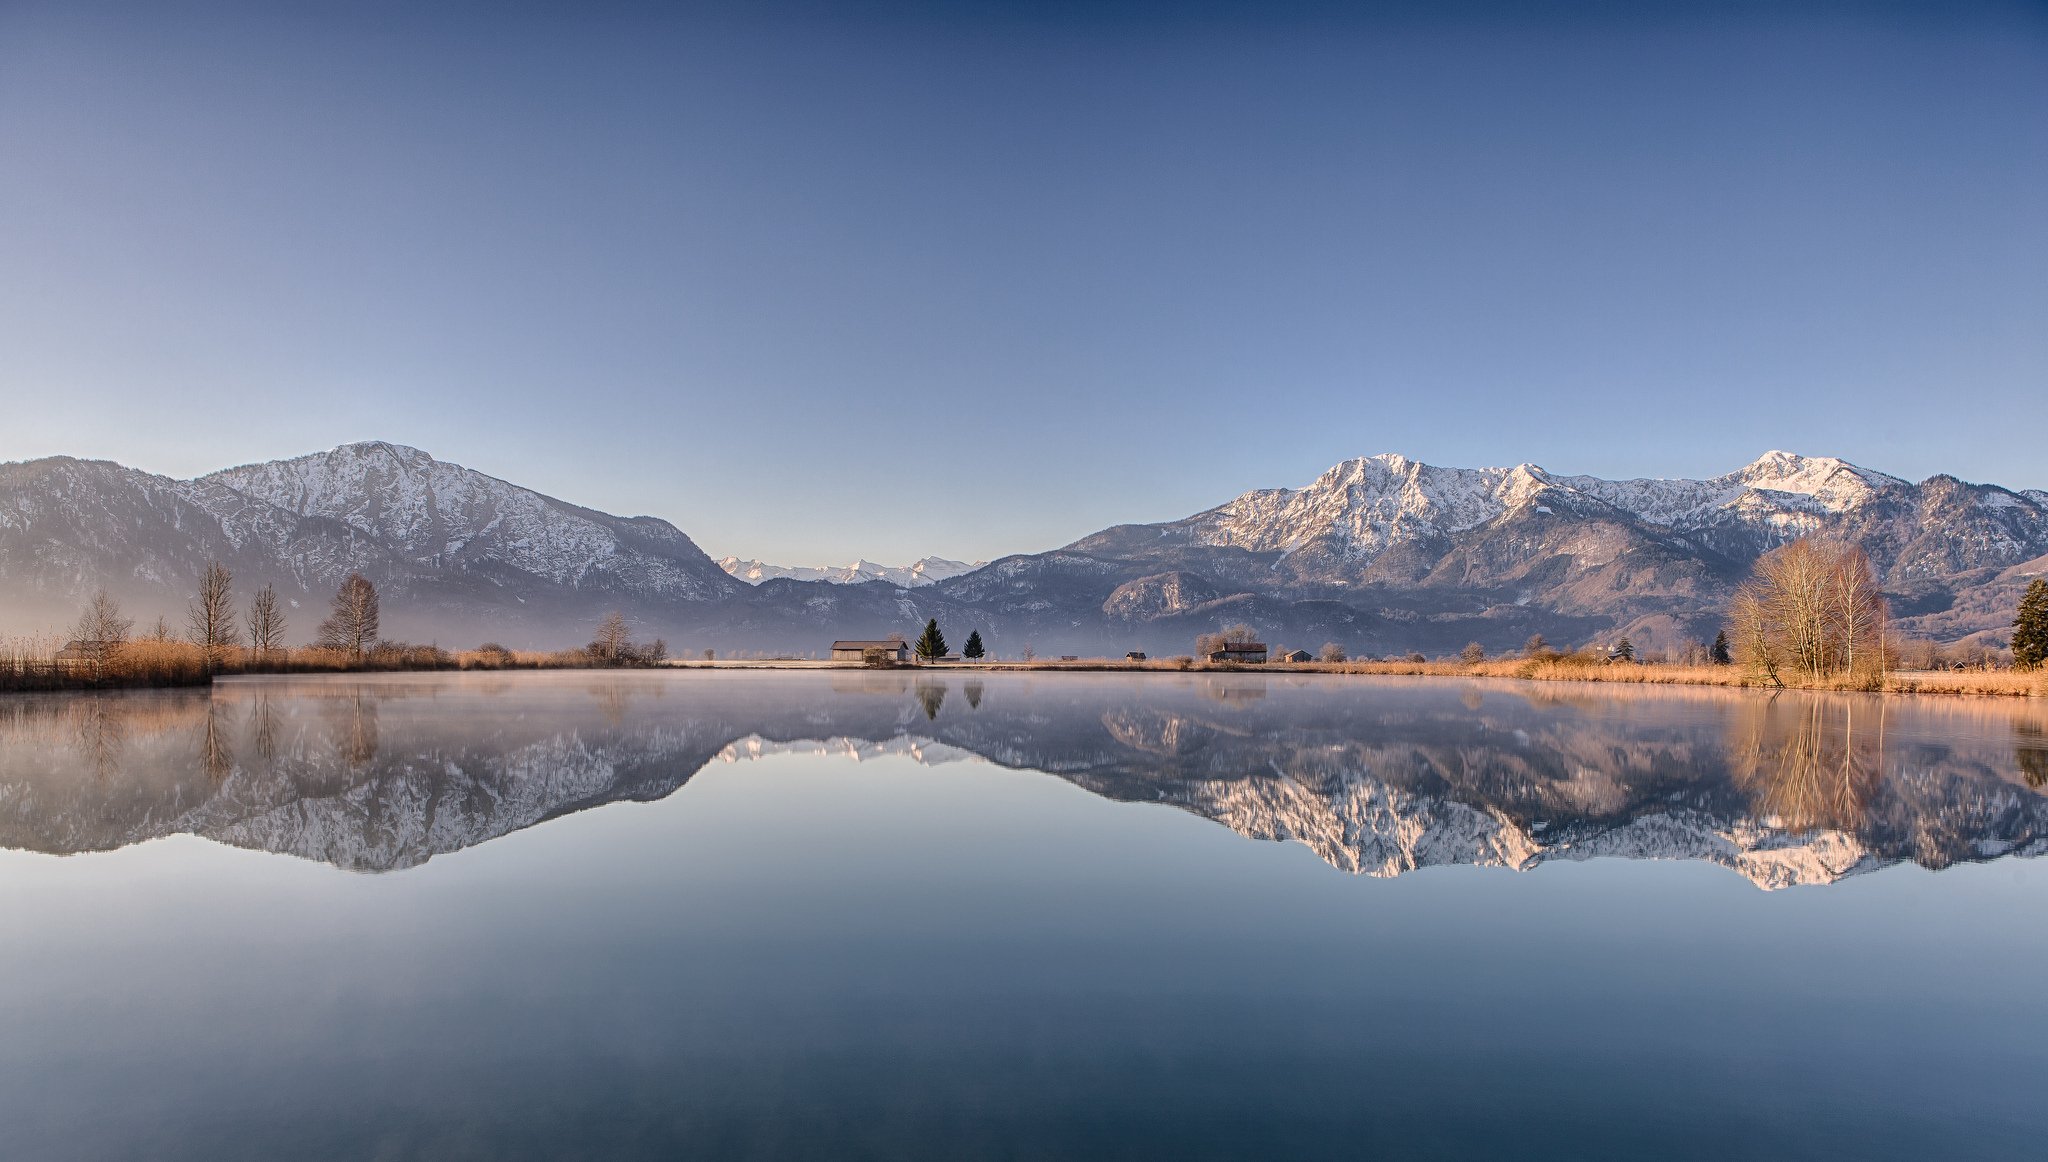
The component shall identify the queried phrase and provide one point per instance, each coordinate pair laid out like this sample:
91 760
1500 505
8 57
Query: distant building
1297 656
858 651
80 654
1246 653
1134 656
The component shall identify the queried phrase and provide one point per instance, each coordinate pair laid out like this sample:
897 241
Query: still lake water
826 915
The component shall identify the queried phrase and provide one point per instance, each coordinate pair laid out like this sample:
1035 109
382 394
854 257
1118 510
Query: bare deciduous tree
210 620
1331 652
613 640
352 625
102 621
266 622
1238 634
1472 654
1812 609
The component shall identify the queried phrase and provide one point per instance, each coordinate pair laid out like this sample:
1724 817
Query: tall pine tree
931 643
2030 628
973 647
1719 652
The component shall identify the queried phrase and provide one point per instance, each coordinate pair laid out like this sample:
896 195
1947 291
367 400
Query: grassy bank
35 663
1558 668
32 664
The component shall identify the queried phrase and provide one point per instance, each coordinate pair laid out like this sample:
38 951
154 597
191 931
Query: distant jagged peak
921 572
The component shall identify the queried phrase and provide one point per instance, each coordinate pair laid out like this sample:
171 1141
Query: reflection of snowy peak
924 571
1373 829
1377 780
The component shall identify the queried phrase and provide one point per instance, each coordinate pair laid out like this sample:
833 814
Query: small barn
1297 656
1135 656
1243 653
82 654
892 650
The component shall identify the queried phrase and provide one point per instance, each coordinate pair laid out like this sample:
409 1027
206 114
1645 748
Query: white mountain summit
923 571
1374 502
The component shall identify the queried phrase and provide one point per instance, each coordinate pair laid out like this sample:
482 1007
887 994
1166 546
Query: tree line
213 624
352 627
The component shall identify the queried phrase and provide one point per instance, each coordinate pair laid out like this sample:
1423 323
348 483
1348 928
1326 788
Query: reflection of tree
612 699
101 734
615 696
352 726
1809 763
974 695
1237 691
263 729
216 746
2030 751
931 696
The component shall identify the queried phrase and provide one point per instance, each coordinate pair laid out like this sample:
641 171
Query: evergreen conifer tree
1625 652
2030 628
931 643
1720 652
973 647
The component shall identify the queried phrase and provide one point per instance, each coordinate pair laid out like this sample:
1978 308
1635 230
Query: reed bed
1588 668
33 663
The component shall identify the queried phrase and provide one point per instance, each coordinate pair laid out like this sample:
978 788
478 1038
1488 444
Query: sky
816 282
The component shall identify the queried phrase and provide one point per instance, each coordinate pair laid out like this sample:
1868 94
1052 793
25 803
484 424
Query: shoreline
1937 683
1929 683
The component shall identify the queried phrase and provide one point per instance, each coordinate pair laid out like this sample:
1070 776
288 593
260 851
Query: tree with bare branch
102 621
210 619
266 622
352 625
1813 610
613 641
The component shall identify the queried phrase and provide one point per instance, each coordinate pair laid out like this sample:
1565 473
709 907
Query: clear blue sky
972 279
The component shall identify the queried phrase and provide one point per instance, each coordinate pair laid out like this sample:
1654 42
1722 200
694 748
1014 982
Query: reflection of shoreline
379 775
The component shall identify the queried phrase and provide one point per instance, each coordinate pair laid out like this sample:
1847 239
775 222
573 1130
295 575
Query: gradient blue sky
815 282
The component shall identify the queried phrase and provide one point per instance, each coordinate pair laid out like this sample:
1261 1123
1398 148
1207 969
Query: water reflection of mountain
1378 777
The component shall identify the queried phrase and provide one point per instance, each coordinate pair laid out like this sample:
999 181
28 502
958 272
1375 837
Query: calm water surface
843 915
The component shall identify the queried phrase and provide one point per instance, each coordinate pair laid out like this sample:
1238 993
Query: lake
916 915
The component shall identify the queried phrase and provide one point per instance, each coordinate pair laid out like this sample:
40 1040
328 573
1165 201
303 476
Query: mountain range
1379 554
921 572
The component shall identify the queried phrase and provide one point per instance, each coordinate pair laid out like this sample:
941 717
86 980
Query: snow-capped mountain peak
1373 503
921 572
440 514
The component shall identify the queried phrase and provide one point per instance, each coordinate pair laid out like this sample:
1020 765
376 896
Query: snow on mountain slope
1374 503
1777 489
1371 504
924 571
445 516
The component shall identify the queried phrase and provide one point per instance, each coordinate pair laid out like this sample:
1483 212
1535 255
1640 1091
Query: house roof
883 645
1242 648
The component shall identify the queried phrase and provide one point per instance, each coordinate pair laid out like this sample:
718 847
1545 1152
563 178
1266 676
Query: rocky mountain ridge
1441 555
1380 554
